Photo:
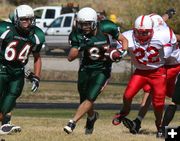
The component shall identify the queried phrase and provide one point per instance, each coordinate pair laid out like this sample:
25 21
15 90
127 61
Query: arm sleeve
40 39
73 40
110 28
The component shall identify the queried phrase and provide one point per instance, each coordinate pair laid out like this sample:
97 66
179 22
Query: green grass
61 92
47 125
53 92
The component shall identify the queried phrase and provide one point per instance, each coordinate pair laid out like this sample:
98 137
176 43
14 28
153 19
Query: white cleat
9 129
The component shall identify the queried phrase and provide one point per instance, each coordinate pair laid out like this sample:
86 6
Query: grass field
53 92
47 125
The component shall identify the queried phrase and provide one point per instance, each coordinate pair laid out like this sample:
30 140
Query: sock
92 117
139 118
6 119
168 115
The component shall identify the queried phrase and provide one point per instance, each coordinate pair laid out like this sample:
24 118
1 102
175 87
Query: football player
173 68
18 40
148 49
93 40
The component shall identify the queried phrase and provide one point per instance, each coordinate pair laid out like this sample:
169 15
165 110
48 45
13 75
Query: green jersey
15 47
93 46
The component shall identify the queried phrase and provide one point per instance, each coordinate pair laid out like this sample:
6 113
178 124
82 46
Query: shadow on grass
143 132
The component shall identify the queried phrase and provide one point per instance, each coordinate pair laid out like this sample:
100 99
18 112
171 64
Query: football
113 54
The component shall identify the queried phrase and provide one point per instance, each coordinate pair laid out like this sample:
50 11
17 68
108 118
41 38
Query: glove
113 54
34 80
171 12
35 83
123 52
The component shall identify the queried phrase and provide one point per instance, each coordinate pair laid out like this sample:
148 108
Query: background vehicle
46 14
58 31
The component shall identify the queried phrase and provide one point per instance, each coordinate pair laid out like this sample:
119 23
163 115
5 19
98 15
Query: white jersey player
151 55
148 49
158 21
172 66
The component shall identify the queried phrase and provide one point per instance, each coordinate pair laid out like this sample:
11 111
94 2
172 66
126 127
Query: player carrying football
93 39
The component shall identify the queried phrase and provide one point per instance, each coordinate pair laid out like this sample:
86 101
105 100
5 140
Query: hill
125 10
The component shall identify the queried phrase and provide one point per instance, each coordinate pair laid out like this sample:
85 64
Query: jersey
152 55
174 58
158 21
15 47
92 46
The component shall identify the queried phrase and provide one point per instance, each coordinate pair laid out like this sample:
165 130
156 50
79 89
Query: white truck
46 14
58 31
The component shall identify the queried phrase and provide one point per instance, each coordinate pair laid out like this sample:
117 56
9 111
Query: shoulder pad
39 33
5 26
109 27
163 36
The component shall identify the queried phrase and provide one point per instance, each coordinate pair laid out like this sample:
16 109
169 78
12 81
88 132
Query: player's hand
35 83
171 12
34 80
123 52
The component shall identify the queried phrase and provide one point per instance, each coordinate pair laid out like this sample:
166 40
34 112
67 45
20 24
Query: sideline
98 106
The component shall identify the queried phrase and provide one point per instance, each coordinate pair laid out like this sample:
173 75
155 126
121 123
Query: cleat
70 127
133 126
89 127
160 133
118 118
9 129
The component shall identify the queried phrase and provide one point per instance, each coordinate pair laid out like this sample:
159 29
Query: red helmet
143 29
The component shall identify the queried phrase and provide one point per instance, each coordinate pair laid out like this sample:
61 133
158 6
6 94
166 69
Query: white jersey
158 21
160 24
174 58
152 55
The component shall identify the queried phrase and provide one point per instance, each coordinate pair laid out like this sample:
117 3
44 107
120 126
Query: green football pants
91 83
10 89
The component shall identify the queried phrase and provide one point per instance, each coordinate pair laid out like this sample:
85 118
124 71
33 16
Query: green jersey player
17 41
93 40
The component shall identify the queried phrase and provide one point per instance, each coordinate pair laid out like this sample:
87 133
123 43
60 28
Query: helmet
87 19
24 12
143 29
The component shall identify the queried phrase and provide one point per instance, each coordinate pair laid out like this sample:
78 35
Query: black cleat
89 127
133 126
160 133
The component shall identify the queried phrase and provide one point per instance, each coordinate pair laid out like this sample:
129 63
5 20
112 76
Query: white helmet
23 11
85 15
143 22
143 29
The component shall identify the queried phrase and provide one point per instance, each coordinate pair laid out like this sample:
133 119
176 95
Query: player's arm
169 14
37 64
75 47
73 54
35 77
123 40
178 37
